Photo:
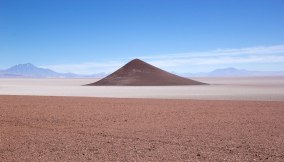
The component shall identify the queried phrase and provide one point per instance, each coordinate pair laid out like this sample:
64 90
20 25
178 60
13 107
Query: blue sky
94 36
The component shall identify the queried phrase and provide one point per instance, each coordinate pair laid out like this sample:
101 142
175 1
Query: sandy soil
97 129
254 88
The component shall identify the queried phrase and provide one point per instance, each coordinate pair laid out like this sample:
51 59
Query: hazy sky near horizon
93 36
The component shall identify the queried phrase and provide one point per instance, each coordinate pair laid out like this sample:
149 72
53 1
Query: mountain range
233 72
29 70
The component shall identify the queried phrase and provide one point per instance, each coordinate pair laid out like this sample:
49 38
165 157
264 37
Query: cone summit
140 73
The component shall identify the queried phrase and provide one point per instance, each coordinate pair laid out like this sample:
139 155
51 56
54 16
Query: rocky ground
100 129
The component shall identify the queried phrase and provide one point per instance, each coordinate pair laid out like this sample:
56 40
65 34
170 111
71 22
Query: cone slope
140 73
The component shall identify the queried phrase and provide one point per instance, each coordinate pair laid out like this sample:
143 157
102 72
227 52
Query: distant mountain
30 71
233 72
139 73
229 72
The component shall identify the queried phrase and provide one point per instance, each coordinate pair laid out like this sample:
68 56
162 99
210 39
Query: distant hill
28 70
233 72
140 73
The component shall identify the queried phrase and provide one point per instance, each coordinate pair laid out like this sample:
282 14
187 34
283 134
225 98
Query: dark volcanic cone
140 73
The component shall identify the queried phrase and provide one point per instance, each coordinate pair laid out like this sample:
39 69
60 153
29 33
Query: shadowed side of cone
140 73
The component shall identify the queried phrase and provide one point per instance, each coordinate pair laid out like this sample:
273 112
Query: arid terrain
233 119
234 88
100 129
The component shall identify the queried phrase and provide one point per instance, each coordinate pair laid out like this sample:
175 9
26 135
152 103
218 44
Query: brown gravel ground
99 129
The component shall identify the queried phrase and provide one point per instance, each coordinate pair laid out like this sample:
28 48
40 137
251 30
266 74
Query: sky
93 36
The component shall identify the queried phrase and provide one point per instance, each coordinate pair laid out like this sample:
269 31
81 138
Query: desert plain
232 119
227 88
